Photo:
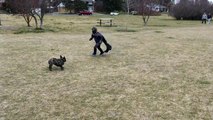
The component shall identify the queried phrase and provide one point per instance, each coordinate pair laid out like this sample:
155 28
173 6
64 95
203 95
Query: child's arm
91 37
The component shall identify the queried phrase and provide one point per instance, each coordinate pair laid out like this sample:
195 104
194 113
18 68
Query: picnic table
105 21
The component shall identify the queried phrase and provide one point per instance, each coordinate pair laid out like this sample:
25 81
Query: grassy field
163 71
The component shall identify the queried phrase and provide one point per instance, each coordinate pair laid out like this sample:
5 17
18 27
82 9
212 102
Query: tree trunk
145 20
36 22
28 24
43 8
41 23
40 16
27 19
127 2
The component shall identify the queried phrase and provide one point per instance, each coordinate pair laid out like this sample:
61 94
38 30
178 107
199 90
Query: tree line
36 9
191 10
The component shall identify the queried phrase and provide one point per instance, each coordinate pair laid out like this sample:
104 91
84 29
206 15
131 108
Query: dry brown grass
154 73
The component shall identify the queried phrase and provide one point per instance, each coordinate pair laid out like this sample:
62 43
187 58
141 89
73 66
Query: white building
175 1
90 4
1 2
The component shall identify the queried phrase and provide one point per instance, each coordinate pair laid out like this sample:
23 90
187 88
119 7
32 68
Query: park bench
105 21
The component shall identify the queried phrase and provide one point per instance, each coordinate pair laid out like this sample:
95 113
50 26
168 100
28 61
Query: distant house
90 5
61 8
1 2
159 8
175 1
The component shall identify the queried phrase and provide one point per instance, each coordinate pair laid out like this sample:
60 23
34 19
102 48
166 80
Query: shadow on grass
105 55
106 26
158 25
126 30
159 32
170 37
54 69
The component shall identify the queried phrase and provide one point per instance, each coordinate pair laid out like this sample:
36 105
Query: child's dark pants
97 45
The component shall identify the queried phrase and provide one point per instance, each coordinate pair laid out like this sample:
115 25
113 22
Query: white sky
211 0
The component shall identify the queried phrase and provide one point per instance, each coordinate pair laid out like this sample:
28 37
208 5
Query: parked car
134 12
85 12
114 13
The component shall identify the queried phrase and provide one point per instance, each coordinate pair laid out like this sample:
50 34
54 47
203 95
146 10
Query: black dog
57 62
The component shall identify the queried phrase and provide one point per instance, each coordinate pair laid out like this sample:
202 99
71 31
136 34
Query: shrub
190 10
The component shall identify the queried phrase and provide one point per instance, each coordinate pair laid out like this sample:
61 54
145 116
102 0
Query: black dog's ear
61 57
64 59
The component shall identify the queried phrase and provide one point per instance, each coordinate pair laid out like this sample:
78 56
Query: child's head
94 30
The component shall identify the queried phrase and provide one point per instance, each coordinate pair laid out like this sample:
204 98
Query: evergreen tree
76 5
112 5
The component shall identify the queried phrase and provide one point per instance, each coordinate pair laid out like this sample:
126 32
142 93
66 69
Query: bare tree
129 5
22 8
146 8
39 11
30 9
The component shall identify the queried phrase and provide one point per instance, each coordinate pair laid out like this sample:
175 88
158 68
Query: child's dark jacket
98 37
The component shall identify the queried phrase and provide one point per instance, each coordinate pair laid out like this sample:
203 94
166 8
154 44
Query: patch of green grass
26 30
204 82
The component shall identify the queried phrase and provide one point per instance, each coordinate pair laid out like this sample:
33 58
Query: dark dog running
57 62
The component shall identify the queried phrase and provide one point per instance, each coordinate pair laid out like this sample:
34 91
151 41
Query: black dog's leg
50 67
62 68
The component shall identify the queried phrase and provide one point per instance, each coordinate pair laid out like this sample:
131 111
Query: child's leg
98 45
99 48
95 50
